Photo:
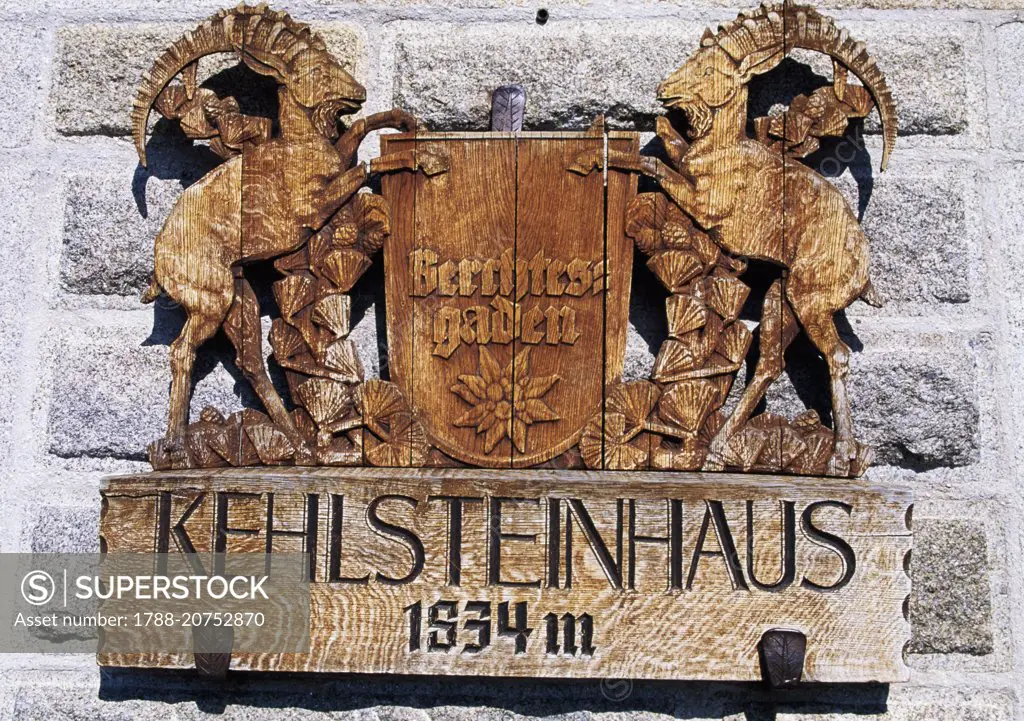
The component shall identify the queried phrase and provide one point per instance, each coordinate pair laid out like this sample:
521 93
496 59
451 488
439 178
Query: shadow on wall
172 156
526 697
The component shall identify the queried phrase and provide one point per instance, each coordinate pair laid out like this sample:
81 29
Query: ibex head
710 78
272 44
315 80
755 43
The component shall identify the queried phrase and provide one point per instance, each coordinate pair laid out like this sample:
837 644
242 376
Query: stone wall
936 383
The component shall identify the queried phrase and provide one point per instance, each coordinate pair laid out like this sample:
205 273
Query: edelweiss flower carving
505 401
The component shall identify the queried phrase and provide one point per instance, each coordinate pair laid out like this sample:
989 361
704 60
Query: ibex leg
821 329
777 330
196 331
432 161
340 190
394 118
243 328
675 185
594 159
674 143
349 143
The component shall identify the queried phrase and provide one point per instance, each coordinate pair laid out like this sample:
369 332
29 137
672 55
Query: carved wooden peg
782 657
508 108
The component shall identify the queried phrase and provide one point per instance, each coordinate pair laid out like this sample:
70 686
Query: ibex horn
801 26
244 27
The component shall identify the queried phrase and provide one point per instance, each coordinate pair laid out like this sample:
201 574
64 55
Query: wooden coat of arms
508 292
508 261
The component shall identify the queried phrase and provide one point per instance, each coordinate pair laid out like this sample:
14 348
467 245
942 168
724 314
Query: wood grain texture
463 219
508 264
666 575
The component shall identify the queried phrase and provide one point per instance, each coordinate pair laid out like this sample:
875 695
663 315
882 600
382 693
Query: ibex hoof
173 443
168 453
843 453
407 122
713 462
838 466
664 130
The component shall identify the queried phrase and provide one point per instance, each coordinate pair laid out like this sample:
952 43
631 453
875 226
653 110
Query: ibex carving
731 186
268 197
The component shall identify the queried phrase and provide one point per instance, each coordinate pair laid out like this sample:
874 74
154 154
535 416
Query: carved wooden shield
507 281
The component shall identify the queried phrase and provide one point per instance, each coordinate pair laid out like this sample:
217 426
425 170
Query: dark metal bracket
782 654
211 646
508 108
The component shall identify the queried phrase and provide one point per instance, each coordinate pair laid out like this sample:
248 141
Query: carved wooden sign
508 260
570 573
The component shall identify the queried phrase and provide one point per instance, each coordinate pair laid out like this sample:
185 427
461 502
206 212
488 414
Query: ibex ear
759 62
266 63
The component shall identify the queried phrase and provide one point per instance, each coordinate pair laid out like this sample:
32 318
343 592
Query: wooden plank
561 284
450 287
507 211
621 190
400 190
618 254
739 555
